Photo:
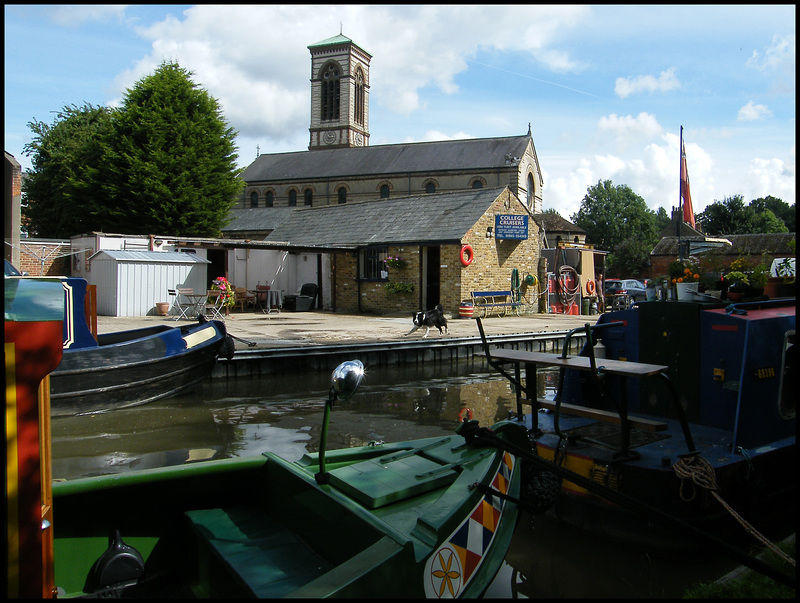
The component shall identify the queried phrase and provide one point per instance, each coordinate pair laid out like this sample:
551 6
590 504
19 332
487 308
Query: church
439 197
341 167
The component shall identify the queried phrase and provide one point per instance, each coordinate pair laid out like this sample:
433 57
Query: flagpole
680 196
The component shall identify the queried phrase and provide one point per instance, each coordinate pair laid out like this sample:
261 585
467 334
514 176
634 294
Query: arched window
477 184
254 199
530 191
270 198
292 198
384 191
330 92
308 197
360 97
430 187
342 193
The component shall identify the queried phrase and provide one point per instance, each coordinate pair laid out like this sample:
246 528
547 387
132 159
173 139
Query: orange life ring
466 250
590 287
467 412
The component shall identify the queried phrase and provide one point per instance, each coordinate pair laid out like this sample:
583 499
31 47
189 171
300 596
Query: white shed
129 283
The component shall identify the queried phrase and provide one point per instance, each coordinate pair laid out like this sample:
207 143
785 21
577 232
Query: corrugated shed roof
434 217
428 157
163 257
742 244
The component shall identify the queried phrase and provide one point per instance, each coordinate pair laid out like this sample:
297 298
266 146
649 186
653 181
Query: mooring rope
697 471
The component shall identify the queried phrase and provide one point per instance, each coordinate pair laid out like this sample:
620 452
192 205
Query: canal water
283 414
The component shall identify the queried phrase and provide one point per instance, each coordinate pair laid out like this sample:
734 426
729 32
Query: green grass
751 584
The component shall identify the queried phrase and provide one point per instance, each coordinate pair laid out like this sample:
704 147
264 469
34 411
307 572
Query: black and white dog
430 319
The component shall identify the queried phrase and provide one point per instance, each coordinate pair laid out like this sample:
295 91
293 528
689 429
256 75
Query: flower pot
162 308
685 291
465 310
735 295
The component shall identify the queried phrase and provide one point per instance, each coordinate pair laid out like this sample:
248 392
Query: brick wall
490 269
54 265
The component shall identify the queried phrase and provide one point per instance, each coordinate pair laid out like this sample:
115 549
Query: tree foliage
164 162
618 220
732 216
55 190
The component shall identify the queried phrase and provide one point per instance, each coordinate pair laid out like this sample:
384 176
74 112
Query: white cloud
780 55
753 112
665 82
628 130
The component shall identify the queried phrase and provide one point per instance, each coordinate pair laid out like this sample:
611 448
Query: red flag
686 195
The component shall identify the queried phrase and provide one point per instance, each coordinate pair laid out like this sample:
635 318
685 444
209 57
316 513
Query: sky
605 89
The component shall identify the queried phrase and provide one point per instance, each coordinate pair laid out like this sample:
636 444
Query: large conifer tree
163 163
169 160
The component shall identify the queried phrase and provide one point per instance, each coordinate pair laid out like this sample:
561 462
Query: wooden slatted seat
599 415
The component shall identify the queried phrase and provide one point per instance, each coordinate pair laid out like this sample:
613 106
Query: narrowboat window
372 264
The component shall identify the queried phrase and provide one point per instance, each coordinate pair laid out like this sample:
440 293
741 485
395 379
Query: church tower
339 94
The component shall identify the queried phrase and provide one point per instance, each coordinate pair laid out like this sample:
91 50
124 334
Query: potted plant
739 282
686 283
395 262
228 298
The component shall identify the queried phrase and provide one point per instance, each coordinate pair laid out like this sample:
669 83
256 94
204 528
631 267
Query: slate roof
432 218
773 243
475 154
555 223
256 219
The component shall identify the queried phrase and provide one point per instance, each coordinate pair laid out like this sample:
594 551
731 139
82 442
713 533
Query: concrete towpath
324 327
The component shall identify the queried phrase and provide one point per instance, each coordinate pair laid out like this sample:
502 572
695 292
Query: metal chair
213 305
183 307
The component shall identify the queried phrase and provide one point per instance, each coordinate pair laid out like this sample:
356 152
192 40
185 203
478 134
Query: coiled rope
697 471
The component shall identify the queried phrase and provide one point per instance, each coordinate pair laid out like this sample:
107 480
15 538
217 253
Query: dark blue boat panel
76 329
741 368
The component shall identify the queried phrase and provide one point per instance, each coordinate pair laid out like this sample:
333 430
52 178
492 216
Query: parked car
635 289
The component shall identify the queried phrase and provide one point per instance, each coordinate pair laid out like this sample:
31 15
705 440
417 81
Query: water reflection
281 414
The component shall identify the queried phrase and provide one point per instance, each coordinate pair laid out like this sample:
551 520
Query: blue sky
605 88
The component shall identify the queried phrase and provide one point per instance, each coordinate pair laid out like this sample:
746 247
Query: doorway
430 277
218 266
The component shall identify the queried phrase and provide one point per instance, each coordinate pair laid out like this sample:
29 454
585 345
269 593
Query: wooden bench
599 415
489 300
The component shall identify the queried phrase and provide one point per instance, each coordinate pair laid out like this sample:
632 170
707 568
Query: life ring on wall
465 413
466 255
590 287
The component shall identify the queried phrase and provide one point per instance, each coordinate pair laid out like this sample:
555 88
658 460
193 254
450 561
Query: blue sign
511 227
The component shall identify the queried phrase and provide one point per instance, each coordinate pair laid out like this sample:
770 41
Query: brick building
428 234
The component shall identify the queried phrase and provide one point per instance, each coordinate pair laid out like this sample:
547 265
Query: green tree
782 210
729 216
162 163
170 159
618 220
56 189
766 221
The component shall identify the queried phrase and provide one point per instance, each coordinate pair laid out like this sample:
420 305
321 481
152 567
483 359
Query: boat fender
118 564
227 348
